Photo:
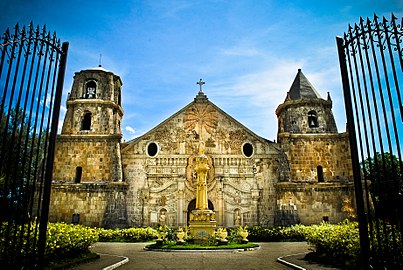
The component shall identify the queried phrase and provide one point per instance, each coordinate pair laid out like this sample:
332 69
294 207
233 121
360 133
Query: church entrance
192 206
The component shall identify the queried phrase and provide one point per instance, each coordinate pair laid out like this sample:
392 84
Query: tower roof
99 68
301 88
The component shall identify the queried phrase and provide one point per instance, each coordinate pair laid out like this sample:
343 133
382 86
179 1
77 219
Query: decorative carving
236 139
191 175
199 117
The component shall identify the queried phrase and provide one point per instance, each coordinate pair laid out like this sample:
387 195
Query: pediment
199 120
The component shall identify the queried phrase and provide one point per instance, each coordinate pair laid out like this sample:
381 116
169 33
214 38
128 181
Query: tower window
90 89
119 97
320 174
79 171
312 119
86 124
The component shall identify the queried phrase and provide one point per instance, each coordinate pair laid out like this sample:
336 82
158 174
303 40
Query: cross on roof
201 84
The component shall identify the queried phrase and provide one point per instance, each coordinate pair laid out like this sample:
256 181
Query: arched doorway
192 206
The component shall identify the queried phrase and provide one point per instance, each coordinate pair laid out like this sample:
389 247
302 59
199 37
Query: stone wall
311 203
306 152
106 117
293 116
98 156
99 205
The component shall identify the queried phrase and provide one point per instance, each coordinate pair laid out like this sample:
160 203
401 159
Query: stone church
98 180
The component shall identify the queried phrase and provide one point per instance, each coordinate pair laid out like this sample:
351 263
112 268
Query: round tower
308 135
88 149
304 111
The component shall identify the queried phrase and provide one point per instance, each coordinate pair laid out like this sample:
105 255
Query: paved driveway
263 258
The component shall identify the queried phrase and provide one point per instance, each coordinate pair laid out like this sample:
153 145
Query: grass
187 246
71 261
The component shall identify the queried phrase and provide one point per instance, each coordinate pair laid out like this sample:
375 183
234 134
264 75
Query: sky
248 52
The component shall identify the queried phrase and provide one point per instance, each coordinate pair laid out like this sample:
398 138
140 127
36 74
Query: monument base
202 225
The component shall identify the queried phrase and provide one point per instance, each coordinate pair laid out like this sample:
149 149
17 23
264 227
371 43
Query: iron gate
371 65
32 68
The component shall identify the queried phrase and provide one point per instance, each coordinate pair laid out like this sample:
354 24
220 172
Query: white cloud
253 98
130 130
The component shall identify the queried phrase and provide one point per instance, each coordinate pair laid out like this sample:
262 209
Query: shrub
64 239
338 243
127 235
276 234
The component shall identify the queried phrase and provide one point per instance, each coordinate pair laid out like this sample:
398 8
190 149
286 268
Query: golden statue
202 220
201 169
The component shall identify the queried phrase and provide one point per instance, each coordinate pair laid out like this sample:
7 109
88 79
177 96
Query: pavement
274 255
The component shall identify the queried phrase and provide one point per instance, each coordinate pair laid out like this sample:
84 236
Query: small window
90 89
247 149
312 119
86 123
320 174
152 149
79 172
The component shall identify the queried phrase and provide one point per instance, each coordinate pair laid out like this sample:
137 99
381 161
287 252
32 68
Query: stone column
255 206
181 219
220 206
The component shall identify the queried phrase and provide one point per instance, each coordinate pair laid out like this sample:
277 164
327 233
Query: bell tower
88 149
308 135
304 111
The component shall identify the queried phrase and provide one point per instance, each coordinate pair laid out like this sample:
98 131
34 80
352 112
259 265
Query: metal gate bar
368 54
32 68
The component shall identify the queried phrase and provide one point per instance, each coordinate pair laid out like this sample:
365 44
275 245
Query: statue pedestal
202 225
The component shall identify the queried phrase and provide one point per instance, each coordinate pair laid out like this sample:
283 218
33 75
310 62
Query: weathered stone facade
318 158
151 179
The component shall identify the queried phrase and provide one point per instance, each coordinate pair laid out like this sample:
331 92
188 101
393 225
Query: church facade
100 181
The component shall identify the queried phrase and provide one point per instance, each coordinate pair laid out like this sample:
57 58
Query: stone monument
202 221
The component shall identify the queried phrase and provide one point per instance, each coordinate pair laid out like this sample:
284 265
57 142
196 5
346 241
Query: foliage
22 149
337 243
276 234
62 240
385 173
127 235
68 262
333 243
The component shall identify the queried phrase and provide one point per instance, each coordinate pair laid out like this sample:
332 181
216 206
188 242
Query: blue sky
247 52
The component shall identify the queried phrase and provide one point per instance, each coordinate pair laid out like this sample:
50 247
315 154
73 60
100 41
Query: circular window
152 149
247 149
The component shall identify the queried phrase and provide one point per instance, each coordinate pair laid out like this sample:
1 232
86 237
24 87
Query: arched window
86 123
312 119
90 89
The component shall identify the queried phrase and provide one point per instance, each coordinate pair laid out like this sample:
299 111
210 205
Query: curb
116 265
293 266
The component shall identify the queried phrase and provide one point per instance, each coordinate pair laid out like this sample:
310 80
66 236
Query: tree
386 188
22 154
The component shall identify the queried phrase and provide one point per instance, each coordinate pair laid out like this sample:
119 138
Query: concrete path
263 258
